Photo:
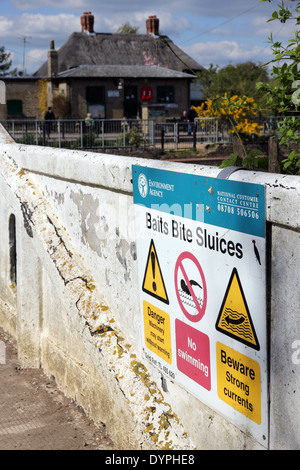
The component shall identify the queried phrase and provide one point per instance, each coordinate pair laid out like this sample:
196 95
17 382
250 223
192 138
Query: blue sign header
233 205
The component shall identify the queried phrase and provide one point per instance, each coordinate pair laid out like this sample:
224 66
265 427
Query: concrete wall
74 307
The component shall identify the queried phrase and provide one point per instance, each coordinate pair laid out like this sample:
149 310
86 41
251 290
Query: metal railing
77 134
105 133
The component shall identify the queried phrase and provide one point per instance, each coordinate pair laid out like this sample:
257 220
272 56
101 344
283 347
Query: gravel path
35 415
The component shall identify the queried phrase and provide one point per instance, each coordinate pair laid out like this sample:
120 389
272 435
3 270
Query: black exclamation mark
153 270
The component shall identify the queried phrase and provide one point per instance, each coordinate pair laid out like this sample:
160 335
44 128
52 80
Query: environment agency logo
143 185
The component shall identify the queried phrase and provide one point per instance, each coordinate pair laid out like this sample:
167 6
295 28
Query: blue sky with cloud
218 32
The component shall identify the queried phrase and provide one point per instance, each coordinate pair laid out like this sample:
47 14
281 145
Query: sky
217 32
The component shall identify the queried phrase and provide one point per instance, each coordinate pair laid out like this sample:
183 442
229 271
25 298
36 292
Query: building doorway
130 102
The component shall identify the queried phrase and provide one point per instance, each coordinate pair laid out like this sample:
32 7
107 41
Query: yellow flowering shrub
42 95
236 110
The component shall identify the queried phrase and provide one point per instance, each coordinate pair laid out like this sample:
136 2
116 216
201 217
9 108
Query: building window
165 94
12 249
14 107
95 100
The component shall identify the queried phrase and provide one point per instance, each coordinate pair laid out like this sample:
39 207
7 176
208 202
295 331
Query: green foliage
132 138
232 160
28 139
127 28
253 160
239 79
89 140
292 163
282 93
5 63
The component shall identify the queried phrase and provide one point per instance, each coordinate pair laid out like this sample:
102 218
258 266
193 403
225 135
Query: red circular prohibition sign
200 308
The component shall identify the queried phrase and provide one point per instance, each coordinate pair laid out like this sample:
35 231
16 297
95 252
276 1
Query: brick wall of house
27 92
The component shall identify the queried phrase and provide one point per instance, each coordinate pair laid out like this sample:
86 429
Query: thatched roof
121 49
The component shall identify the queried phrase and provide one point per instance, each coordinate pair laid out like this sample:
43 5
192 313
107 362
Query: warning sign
193 354
153 283
157 331
234 318
238 379
190 286
201 250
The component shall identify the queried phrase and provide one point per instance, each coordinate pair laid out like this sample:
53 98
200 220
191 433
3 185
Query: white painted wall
77 271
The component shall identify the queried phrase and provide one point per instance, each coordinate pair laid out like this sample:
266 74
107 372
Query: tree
61 106
127 28
284 90
239 79
5 63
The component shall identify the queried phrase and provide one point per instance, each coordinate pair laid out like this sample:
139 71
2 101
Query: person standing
89 129
49 116
184 119
191 114
89 121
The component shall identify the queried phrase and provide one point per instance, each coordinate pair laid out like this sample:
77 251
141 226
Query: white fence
104 133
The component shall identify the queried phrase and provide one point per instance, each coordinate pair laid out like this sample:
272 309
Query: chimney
152 25
52 60
87 22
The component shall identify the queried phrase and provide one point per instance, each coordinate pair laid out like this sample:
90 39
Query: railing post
176 134
58 131
44 134
273 161
151 131
162 137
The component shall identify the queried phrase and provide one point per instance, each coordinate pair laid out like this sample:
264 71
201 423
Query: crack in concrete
27 216
59 237
99 330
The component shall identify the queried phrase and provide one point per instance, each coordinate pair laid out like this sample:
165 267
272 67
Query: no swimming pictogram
190 286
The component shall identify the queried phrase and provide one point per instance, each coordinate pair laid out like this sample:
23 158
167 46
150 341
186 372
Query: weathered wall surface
74 307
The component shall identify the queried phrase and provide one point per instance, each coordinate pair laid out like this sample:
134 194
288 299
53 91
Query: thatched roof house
111 76
90 48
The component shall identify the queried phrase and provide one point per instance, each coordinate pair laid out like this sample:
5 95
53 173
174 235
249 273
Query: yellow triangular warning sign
234 318
153 282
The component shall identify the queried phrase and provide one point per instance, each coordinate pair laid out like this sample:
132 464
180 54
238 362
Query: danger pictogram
234 318
153 283
190 286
